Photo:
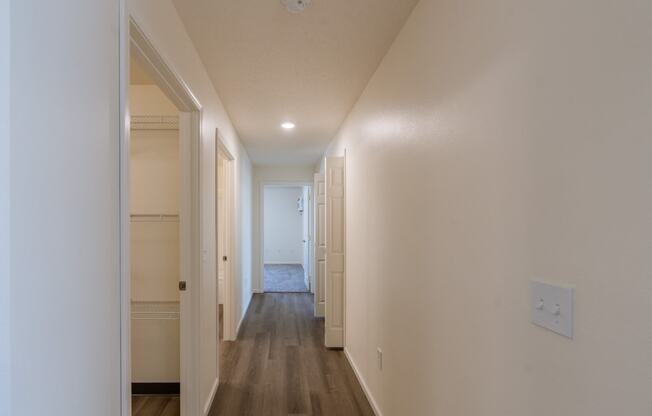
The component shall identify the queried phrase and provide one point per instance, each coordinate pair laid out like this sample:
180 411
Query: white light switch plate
552 307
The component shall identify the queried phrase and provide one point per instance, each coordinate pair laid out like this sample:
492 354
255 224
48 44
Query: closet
155 242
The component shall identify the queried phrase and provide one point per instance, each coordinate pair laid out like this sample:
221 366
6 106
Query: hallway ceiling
271 66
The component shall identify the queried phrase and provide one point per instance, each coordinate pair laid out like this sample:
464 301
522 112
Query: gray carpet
284 278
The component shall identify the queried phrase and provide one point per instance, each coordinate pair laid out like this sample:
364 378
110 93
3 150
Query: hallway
325 207
279 366
284 278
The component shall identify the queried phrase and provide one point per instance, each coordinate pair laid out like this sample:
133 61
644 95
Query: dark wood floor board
173 408
275 387
137 403
155 406
279 366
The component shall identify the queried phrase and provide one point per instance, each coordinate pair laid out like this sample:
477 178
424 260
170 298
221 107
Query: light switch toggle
557 310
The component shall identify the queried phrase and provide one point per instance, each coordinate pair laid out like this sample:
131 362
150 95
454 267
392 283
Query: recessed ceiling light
287 125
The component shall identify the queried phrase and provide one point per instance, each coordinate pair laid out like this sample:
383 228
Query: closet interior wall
155 239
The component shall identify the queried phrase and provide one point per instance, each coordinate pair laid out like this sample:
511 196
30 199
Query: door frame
230 329
133 38
261 222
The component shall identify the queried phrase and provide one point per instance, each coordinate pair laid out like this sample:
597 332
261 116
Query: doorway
155 247
159 238
287 238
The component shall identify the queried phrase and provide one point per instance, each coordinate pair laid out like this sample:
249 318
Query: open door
335 251
224 232
320 244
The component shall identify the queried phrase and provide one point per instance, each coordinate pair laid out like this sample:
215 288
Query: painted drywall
243 239
270 66
159 21
154 164
154 172
5 358
500 142
65 316
149 100
154 190
287 175
282 225
155 355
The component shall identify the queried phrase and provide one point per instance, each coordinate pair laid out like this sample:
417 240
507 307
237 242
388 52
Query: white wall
500 142
5 309
243 237
154 155
154 172
283 226
64 199
65 333
149 100
270 175
160 22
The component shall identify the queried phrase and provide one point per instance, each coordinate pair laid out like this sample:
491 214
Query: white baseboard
244 315
211 396
284 262
365 388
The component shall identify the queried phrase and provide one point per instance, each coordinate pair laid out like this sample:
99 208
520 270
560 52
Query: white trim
190 121
211 396
5 208
260 279
294 263
363 384
163 73
229 331
191 265
124 212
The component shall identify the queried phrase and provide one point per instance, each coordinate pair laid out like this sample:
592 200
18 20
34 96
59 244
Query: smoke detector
296 6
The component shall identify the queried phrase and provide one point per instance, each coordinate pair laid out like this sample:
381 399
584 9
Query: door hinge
182 286
224 258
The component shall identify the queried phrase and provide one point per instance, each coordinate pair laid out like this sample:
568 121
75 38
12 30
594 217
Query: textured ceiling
270 66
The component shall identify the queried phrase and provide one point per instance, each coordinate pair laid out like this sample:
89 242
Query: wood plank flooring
279 366
155 406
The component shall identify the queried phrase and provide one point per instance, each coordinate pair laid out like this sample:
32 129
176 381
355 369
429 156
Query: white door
305 217
335 252
224 233
320 244
221 223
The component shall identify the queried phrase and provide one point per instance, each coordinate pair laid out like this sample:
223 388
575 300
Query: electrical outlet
379 354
